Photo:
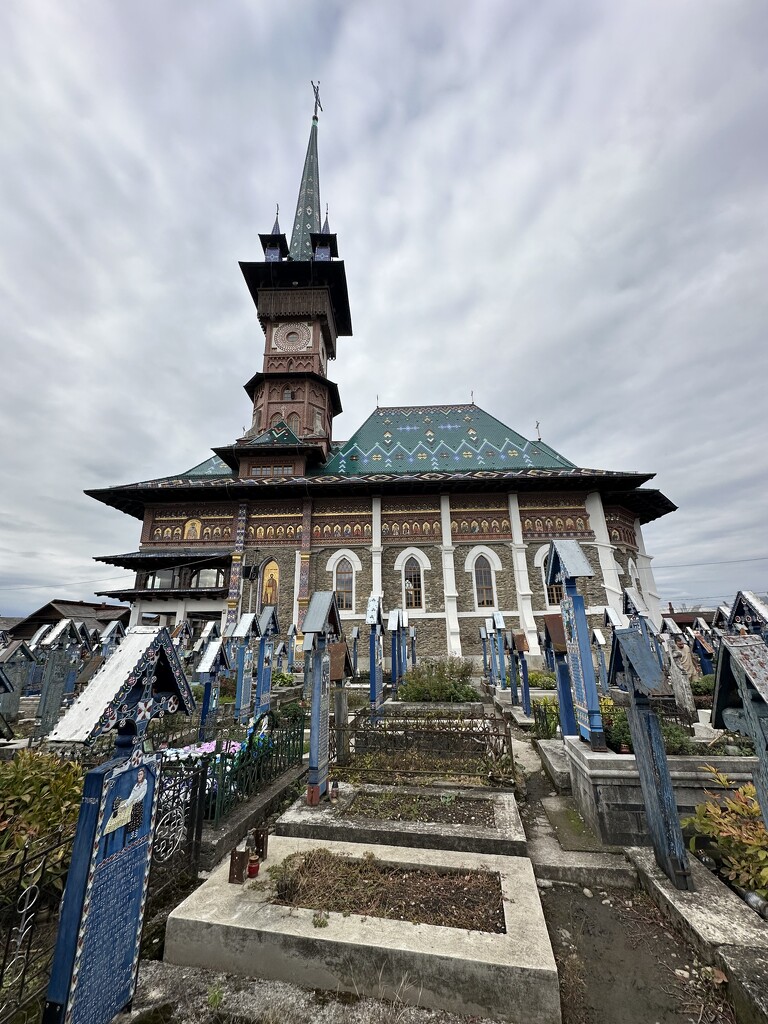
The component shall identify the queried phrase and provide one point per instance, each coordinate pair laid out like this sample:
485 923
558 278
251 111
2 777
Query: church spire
307 220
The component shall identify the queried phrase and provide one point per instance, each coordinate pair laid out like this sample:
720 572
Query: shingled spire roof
307 220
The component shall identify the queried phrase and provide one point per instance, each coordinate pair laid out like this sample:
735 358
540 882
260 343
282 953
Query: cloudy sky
560 206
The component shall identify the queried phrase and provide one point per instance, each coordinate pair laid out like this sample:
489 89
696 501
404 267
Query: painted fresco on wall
270 584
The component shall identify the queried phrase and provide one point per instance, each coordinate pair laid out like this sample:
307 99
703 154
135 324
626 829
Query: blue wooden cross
322 623
740 702
635 669
567 563
268 629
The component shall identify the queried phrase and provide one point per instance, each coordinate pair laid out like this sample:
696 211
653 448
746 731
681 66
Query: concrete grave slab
555 762
710 917
338 822
510 976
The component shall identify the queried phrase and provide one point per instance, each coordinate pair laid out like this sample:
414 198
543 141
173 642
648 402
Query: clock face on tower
290 337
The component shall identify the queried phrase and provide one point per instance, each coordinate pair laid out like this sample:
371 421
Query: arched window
414 592
343 584
484 565
276 418
287 395
207 578
294 423
483 582
343 566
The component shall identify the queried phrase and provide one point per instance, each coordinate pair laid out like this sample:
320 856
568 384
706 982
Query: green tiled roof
280 433
438 438
211 467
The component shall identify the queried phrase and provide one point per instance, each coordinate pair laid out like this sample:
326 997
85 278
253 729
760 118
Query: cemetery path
620 963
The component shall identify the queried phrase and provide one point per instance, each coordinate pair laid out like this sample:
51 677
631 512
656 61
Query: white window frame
494 562
331 566
425 565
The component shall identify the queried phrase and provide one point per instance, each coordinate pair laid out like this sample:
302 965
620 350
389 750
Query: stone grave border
329 822
510 976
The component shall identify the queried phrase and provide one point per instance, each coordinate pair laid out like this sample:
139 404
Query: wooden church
442 510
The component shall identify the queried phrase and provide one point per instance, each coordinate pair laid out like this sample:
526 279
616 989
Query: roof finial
472 397
276 228
316 89
538 432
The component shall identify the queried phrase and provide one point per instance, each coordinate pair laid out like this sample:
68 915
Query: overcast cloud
561 206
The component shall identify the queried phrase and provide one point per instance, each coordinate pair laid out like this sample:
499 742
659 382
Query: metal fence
234 776
422 742
31 885
193 790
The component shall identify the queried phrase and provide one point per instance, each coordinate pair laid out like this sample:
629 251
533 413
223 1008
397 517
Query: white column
522 583
647 581
376 548
613 591
296 585
135 618
450 594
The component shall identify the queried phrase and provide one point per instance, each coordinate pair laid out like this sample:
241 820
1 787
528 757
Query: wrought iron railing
31 886
422 742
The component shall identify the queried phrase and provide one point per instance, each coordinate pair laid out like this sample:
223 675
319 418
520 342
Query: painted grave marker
322 624
740 701
635 669
567 563
374 618
97 949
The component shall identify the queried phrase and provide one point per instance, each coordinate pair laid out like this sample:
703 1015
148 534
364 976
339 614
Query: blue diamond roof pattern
438 439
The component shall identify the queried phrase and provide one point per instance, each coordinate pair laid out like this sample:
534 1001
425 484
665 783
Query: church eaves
439 439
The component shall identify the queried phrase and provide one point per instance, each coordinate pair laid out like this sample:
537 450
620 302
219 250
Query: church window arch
483 564
294 423
287 394
344 565
411 563
276 417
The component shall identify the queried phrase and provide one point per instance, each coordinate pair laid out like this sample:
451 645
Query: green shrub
703 687
731 826
39 794
546 717
439 679
542 680
282 678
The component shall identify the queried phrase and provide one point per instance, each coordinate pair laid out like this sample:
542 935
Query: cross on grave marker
269 628
635 669
375 619
740 701
321 624
93 976
567 563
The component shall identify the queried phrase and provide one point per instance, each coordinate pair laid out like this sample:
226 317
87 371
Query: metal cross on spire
316 89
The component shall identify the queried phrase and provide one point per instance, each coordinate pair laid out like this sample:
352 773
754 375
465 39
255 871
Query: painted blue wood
568 725
525 687
319 725
602 670
484 642
264 676
97 946
658 794
243 658
577 635
376 660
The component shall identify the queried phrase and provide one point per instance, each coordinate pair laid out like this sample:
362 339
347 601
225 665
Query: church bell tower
300 293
